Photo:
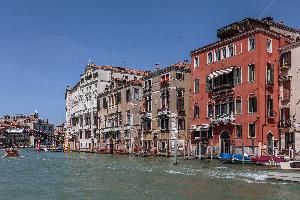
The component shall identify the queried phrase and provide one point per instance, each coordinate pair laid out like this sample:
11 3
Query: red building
235 98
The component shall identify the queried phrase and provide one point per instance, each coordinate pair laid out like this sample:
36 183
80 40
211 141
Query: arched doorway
225 142
270 144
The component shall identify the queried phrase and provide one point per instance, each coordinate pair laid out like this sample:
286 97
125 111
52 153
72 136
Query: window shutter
272 73
254 105
235 76
207 83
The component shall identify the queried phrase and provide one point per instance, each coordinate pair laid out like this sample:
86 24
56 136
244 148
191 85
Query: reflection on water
48 175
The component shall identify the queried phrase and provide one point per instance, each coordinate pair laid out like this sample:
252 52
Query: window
164 123
165 99
179 76
252 104
104 102
209 57
136 94
210 110
237 75
224 109
181 124
270 73
239 131
148 103
224 52
270 107
251 73
230 50
196 86
251 44
180 100
128 95
218 54
218 109
269 45
196 112
196 61
238 105
252 132
95 75
165 78
231 108
118 98
128 116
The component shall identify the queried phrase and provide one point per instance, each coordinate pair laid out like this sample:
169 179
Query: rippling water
48 175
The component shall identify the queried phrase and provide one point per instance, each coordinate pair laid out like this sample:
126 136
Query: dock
285 176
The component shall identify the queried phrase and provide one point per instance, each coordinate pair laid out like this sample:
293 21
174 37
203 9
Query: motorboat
267 160
290 165
11 153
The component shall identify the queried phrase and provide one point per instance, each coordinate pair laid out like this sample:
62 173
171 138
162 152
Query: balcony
163 111
225 119
146 115
285 123
163 136
222 87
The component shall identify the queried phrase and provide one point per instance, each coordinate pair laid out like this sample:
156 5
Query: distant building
165 110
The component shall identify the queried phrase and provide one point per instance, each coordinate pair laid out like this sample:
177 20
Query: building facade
234 101
82 131
289 86
119 116
165 110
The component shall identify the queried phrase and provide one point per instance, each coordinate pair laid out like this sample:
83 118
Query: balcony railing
222 87
225 118
163 111
285 123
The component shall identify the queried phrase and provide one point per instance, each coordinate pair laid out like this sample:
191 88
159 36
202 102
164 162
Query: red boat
267 160
11 153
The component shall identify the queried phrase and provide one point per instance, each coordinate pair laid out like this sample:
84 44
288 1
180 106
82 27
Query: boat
11 153
290 165
267 160
235 158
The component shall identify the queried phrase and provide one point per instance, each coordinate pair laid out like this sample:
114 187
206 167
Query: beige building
81 104
165 110
289 124
119 116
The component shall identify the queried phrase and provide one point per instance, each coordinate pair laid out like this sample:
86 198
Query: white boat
291 165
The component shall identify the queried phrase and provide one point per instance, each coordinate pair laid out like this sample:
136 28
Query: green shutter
207 83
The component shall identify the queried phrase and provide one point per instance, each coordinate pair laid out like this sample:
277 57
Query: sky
45 45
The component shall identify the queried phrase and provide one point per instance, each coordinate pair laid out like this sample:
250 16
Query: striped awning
220 72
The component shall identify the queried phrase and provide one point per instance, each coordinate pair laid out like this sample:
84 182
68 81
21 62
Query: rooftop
183 66
119 69
247 26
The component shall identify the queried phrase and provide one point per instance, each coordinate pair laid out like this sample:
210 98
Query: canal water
73 176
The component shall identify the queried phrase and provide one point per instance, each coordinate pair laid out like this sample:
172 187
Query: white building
289 124
81 104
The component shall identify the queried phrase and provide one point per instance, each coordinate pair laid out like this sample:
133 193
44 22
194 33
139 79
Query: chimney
157 66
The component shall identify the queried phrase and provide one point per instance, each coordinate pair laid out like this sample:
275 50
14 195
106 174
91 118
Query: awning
220 72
